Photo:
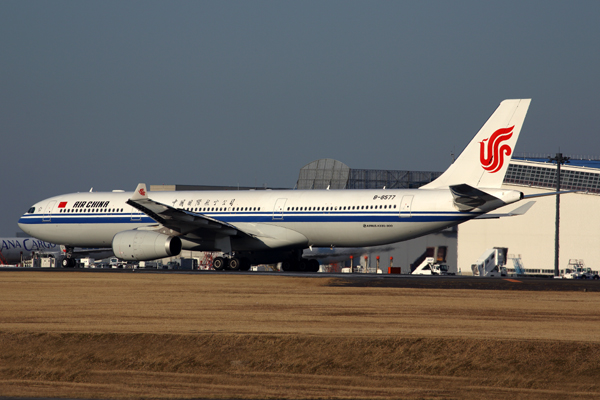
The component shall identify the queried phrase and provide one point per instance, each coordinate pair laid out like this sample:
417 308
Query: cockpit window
31 210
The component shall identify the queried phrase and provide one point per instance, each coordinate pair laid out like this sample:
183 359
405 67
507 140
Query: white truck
491 263
577 270
430 267
115 262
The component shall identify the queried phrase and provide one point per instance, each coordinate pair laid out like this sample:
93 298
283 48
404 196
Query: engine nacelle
145 245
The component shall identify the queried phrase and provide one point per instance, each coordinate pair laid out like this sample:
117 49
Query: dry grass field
105 335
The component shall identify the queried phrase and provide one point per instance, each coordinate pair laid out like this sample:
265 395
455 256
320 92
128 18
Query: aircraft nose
23 226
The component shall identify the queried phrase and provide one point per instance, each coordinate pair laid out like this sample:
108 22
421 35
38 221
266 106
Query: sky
107 94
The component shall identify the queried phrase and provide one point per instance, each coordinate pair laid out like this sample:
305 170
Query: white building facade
532 236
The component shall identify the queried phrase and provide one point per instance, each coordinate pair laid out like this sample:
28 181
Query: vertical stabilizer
483 163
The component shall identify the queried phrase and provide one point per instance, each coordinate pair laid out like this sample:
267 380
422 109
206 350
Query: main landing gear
231 264
243 264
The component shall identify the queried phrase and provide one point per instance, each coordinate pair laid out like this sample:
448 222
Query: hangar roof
580 175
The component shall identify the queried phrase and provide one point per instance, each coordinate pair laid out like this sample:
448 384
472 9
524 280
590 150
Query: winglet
140 192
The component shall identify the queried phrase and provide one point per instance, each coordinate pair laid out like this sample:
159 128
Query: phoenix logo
142 192
492 157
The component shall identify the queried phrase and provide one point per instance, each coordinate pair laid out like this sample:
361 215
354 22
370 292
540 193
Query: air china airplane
268 226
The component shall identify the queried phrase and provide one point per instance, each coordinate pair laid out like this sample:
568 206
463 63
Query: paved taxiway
378 280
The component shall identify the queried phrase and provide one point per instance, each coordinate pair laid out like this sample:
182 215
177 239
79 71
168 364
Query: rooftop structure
580 175
333 174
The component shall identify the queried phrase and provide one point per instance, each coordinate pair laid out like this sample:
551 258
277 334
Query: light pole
559 159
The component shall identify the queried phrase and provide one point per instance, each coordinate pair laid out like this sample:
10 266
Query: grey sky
108 94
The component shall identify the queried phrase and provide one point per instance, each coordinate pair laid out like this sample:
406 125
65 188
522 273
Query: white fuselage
281 218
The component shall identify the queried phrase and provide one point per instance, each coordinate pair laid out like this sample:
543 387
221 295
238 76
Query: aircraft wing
181 221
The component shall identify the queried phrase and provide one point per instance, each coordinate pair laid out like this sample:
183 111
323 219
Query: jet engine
145 245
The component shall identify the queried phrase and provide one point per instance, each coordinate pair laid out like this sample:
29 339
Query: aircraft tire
303 265
219 264
233 264
286 266
68 263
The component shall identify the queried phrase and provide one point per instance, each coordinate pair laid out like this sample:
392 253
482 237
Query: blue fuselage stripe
33 219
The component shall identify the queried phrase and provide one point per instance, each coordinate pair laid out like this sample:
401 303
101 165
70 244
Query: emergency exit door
406 206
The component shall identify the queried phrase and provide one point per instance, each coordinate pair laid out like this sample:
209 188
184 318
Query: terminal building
529 238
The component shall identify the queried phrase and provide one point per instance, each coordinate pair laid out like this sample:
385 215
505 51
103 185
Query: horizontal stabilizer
530 196
517 211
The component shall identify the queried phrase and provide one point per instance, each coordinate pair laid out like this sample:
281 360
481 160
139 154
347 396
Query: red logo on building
492 156
142 192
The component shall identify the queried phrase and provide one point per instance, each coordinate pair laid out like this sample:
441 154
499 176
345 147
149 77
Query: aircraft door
278 210
406 206
48 212
135 214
